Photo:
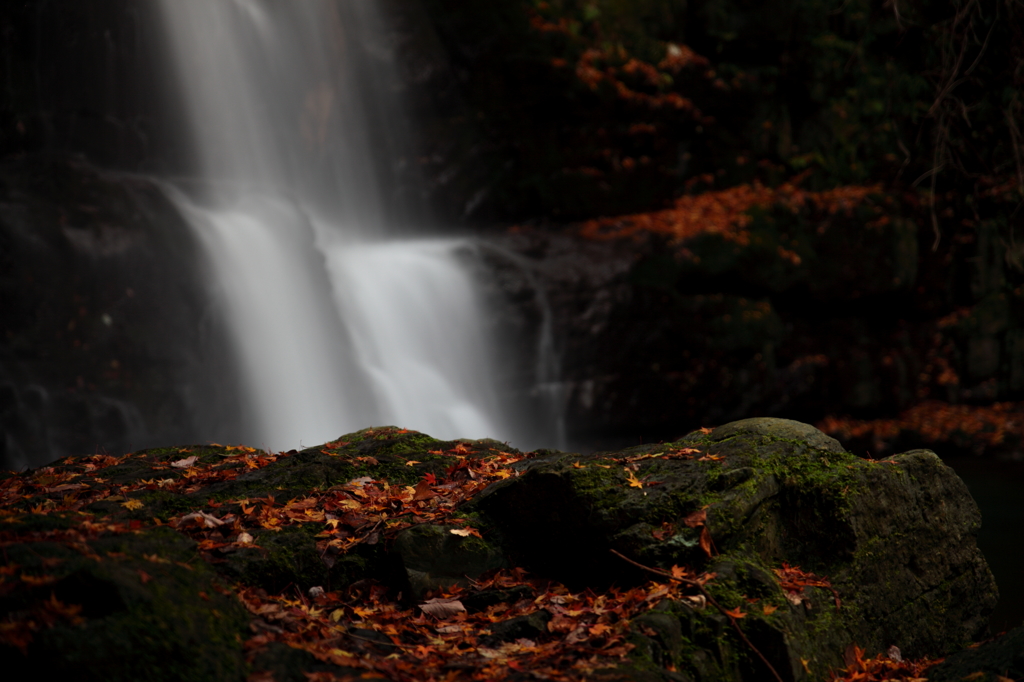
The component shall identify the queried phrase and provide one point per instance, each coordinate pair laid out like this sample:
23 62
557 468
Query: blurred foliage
583 96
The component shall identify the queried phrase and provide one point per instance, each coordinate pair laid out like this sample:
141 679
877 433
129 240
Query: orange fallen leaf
634 482
37 580
735 613
769 609
705 541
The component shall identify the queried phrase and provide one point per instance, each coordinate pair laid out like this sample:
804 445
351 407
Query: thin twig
710 600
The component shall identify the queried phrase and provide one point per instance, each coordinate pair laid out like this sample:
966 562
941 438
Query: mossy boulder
895 538
135 606
433 557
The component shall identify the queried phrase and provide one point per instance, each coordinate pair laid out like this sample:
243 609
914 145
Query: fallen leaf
735 613
37 580
666 531
466 532
696 519
65 487
449 629
243 538
143 576
634 482
442 608
705 541
411 462
579 634
853 655
185 463
203 520
423 492
769 609
133 504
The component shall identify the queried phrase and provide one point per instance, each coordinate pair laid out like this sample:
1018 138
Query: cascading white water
335 328
416 331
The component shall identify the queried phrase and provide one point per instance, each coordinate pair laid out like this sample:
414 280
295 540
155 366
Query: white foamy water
334 327
415 323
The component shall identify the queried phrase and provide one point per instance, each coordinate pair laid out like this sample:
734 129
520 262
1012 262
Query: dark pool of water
998 488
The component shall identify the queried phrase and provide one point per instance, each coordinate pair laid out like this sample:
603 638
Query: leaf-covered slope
759 546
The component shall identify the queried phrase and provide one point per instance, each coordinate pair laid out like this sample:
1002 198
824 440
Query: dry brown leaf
442 608
705 541
423 492
696 519
185 463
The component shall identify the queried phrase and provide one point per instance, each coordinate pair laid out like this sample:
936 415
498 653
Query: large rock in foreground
118 563
895 537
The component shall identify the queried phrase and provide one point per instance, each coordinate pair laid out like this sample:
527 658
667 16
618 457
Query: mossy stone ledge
131 598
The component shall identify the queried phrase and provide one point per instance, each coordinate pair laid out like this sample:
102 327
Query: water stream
336 326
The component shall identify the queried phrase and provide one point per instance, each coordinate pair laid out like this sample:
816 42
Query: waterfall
336 325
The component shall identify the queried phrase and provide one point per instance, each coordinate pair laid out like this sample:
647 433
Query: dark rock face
80 79
1002 658
742 502
108 337
652 338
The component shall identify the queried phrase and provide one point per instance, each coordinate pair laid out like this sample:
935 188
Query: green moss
279 559
138 593
163 505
